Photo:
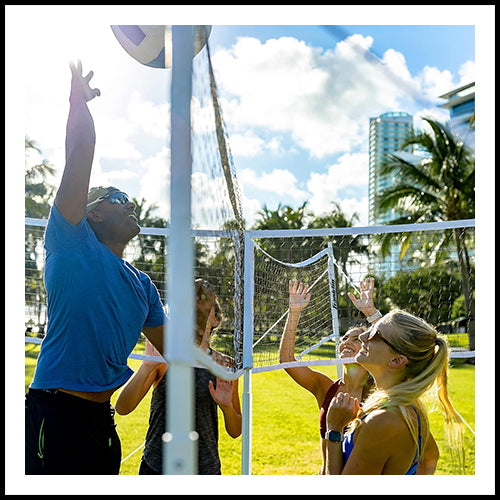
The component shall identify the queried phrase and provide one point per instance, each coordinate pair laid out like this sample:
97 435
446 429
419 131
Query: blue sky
296 98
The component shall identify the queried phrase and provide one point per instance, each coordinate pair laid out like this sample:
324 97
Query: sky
296 100
298 87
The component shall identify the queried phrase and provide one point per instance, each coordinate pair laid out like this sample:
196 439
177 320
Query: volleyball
147 43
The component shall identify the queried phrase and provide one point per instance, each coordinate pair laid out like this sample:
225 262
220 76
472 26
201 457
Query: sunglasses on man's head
117 197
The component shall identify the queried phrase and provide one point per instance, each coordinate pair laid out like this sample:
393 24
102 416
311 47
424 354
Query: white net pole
179 446
334 303
246 438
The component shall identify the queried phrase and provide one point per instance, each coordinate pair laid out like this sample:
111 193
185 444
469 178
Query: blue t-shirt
97 306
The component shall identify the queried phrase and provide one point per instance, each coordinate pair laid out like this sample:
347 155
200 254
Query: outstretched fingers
80 84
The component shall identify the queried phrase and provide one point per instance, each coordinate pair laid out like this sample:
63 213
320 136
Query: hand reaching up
365 301
299 298
80 88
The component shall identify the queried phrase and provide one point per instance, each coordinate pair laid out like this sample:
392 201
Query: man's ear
94 216
398 361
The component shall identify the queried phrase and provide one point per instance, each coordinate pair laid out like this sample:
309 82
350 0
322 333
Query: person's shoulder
143 277
60 234
384 421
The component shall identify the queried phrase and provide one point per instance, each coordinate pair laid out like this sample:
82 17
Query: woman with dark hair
211 392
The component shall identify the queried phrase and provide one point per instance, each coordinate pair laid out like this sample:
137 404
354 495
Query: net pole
179 446
246 438
334 303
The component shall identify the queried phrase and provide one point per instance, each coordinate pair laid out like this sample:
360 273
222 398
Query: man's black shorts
66 434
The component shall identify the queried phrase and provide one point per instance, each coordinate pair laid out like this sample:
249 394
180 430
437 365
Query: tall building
387 134
461 103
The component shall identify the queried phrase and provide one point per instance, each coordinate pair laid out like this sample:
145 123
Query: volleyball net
418 268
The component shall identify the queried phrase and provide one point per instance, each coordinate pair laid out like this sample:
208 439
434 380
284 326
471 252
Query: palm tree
37 192
151 248
284 217
440 187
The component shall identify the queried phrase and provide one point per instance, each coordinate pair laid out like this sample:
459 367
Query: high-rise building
461 102
387 134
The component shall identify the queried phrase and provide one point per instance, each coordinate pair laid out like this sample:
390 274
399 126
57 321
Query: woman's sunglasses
373 332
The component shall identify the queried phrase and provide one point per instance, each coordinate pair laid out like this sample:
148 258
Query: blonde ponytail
454 427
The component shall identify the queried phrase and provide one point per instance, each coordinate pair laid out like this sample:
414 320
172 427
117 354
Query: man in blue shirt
98 305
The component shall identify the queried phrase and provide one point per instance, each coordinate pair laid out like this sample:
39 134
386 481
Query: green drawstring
41 441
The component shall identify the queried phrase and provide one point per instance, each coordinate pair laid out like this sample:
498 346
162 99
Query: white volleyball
146 43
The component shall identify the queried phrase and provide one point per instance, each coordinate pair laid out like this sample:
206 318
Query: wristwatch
335 436
376 315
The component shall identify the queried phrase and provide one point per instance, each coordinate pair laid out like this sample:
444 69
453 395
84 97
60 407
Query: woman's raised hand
299 298
365 301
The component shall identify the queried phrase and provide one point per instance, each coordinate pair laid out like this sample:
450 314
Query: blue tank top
348 444
97 305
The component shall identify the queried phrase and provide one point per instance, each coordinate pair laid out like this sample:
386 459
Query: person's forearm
80 133
287 344
334 458
232 421
71 197
135 390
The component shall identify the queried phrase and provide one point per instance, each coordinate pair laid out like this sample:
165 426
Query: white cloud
250 207
467 73
321 98
249 145
246 144
350 170
351 206
145 115
434 82
155 183
280 182
117 144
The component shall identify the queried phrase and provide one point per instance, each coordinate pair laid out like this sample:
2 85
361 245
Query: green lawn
281 410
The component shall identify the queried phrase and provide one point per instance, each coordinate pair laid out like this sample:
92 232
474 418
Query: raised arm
315 382
364 303
71 197
298 300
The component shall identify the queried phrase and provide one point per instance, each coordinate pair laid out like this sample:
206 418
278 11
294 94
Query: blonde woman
389 432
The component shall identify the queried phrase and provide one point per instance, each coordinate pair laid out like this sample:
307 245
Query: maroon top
324 407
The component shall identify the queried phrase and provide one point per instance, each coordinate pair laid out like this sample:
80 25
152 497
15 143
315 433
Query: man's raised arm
71 197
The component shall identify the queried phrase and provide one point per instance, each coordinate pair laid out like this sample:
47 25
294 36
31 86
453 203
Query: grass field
285 418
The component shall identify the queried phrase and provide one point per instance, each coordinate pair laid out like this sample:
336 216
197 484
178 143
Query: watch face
333 436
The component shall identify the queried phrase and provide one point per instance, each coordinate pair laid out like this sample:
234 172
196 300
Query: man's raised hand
80 88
